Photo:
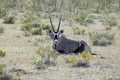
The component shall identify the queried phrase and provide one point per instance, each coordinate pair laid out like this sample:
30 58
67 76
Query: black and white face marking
55 36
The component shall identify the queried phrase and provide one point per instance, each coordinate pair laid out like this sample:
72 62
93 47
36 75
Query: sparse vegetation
45 27
2 53
78 31
34 28
1 29
26 26
118 27
3 12
108 28
37 31
47 58
6 75
9 20
83 18
2 66
86 57
101 39
99 17
28 18
82 59
111 20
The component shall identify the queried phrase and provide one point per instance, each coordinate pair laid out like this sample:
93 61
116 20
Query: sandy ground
21 55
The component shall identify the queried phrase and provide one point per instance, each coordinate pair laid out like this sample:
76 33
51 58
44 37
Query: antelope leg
58 53
71 53
87 49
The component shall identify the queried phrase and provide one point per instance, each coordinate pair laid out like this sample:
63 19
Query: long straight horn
59 24
51 23
60 16
49 15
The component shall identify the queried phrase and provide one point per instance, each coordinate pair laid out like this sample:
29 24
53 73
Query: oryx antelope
64 45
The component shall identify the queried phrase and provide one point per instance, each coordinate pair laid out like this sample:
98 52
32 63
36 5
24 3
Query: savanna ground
21 50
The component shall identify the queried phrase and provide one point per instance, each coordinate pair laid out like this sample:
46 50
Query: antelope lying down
64 45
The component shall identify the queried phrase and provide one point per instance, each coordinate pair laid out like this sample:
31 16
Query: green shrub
108 28
5 74
118 27
74 60
86 57
90 19
37 31
47 58
83 18
34 28
26 33
101 39
26 26
2 66
9 20
35 25
82 59
2 53
78 31
111 20
45 27
1 29
30 17
2 12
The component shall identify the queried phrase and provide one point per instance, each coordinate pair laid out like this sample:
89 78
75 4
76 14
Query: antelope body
64 45
69 46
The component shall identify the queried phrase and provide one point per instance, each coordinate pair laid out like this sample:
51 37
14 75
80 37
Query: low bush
26 26
90 19
3 12
81 18
2 66
9 20
118 27
45 27
111 20
82 59
78 31
101 39
37 31
47 58
84 18
30 17
6 74
2 53
1 29
34 28
35 25
108 28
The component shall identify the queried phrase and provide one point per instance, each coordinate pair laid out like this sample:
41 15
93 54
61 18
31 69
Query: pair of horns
53 26
59 19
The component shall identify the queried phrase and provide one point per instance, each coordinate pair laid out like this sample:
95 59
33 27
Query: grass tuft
9 20
78 31
47 58
82 59
2 29
2 53
101 39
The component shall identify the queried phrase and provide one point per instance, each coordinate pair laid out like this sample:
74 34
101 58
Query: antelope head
55 35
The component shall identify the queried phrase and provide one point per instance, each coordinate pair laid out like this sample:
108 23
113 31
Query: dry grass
20 54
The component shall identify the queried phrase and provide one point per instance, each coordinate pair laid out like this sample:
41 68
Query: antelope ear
61 31
50 31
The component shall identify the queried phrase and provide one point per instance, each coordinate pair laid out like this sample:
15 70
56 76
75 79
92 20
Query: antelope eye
50 31
61 31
